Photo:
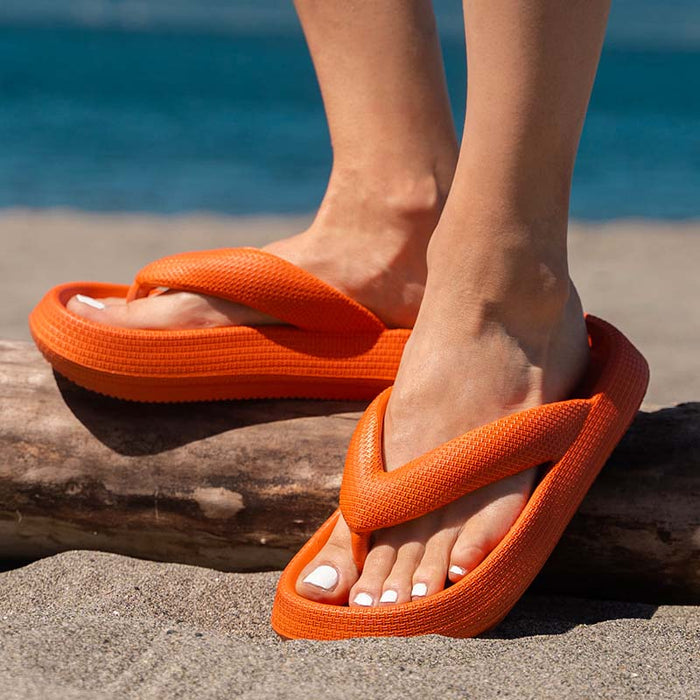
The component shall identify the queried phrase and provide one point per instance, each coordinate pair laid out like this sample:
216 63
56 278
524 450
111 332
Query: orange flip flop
330 347
572 438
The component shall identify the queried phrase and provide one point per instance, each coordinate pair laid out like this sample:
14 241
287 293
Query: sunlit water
174 120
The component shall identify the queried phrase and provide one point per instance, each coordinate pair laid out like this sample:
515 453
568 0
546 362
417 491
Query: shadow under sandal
330 346
570 439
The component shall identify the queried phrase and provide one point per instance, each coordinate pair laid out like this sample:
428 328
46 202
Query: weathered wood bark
239 486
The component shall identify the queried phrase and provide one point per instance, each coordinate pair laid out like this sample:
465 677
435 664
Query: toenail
363 599
324 576
389 597
90 301
419 590
457 570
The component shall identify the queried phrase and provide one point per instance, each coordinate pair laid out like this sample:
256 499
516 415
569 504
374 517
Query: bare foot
487 343
371 245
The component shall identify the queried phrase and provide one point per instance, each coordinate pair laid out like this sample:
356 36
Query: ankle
402 203
513 274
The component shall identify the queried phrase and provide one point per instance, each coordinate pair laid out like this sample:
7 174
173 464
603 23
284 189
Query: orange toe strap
262 281
372 498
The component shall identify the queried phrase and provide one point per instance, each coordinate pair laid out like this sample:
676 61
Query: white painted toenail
363 599
90 301
389 597
324 576
419 590
457 570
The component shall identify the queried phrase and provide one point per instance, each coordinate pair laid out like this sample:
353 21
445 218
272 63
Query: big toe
168 311
111 311
329 577
148 313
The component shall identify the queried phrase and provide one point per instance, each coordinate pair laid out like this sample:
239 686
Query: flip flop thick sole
235 362
573 438
326 346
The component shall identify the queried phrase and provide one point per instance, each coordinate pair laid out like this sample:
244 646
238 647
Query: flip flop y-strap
372 498
575 436
262 281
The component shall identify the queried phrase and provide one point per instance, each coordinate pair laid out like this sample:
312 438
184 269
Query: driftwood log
241 485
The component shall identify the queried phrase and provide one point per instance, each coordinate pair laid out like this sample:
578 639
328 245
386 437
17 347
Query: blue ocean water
169 119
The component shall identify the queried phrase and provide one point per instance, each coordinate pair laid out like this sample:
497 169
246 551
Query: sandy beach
92 625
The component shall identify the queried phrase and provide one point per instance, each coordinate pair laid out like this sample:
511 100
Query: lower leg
394 152
499 303
498 258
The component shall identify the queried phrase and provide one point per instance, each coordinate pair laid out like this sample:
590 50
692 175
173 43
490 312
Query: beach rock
239 486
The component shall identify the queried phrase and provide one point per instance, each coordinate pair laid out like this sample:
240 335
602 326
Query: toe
368 589
484 530
141 313
330 575
431 573
87 307
167 311
396 585
467 554
480 534
494 509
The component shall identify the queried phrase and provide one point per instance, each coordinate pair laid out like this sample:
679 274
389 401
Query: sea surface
170 113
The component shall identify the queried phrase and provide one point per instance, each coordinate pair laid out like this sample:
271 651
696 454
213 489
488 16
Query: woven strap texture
372 499
261 281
